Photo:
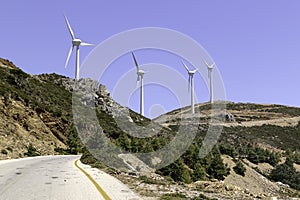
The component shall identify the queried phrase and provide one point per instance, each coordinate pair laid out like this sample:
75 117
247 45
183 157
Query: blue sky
255 44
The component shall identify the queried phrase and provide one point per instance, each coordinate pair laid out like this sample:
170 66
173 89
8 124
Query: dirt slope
21 126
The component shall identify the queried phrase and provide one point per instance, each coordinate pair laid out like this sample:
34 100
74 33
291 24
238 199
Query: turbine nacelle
209 67
191 73
140 72
76 42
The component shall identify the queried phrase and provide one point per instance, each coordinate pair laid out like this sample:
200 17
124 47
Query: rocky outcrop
7 63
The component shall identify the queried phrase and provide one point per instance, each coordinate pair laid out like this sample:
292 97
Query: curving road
57 178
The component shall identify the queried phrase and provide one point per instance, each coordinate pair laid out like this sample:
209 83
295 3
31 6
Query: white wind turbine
210 68
76 42
140 73
191 85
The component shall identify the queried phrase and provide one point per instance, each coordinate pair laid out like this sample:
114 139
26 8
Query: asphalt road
57 178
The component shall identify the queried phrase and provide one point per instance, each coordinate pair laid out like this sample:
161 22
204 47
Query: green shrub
296 157
173 196
74 142
239 168
177 171
87 157
60 150
31 151
147 180
228 150
199 173
3 151
217 169
286 173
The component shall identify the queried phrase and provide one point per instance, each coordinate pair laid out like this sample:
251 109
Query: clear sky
255 43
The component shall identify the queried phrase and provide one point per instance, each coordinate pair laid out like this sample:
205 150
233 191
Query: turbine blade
86 44
69 27
136 64
205 62
187 69
69 55
194 71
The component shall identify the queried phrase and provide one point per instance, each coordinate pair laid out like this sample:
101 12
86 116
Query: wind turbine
210 68
191 85
140 73
76 42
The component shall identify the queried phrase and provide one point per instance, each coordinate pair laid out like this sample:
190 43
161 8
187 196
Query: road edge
98 187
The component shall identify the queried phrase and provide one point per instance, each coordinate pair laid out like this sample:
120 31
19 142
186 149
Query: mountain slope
275 126
36 118
35 112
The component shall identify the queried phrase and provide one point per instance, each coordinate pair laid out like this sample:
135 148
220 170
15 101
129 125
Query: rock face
34 112
7 64
103 90
21 126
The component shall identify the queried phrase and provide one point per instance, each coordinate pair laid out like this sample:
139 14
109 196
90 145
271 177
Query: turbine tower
191 85
210 68
140 73
76 42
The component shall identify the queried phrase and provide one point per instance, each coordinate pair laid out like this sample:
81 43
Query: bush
177 171
296 157
3 151
73 141
147 180
173 196
286 173
239 168
217 169
228 150
199 173
60 150
31 151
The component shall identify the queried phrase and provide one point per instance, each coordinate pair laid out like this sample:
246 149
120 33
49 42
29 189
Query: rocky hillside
270 125
35 113
256 156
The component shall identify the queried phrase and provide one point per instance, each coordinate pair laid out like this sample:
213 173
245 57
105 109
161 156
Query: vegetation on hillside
286 173
41 95
47 95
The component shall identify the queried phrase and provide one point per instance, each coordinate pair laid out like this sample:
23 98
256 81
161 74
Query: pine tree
217 169
199 173
239 168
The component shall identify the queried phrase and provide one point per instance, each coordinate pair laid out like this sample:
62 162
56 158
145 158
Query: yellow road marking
100 190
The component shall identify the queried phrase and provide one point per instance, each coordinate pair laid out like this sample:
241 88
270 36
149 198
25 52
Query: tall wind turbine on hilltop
210 68
76 42
140 73
191 85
